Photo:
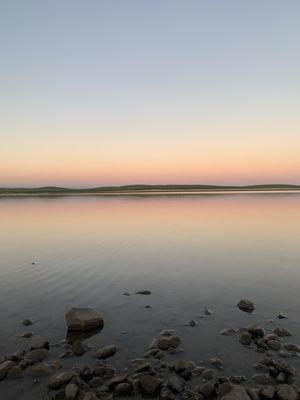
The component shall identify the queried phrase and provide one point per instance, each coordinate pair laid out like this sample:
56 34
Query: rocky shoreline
160 372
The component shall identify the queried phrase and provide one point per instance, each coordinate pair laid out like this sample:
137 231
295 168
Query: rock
5 367
126 294
116 379
71 391
149 385
27 335
256 331
263 379
216 362
144 292
292 347
286 392
96 382
209 374
267 393
56 364
90 396
77 348
282 332
228 332
165 342
191 323
166 394
142 366
246 305
148 306
38 354
281 378
123 388
106 352
274 345
245 338
175 384
27 321
83 319
15 372
39 370
60 379
208 311
207 389
229 391
38 342
282 315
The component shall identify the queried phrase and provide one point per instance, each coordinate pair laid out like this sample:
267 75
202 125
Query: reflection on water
191 252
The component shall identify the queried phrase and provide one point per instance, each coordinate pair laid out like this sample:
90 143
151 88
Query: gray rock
38 342
27 335
246 305
176 384
228 391
116 379
282 332
286 392
282 315
208 311
207 389
5 367
267 393
83 319
191 323
106 352
78 349
292 347
27 321
245 338
15 372
228 332
60 379
126 294
144 292
123 389
256 331
96 382
71 391
263 379
274 345
149 385
166 394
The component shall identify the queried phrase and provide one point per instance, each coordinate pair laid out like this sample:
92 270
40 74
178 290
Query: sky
97 92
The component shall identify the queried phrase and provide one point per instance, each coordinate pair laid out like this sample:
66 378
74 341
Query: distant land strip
147 189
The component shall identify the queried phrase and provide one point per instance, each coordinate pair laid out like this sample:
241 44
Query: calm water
191 252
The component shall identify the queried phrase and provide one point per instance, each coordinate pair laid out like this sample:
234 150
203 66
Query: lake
192 252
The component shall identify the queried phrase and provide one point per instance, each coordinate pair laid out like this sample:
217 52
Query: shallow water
191 252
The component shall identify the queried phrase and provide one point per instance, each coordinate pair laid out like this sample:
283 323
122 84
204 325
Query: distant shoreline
150 190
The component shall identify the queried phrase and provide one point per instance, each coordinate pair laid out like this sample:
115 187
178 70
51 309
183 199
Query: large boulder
83 319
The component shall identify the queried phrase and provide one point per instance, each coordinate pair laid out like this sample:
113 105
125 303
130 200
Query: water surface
191 252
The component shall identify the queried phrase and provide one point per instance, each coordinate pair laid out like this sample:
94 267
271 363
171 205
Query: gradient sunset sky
149 91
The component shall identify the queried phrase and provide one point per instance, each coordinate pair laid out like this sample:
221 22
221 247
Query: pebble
282 315
27 321
106 352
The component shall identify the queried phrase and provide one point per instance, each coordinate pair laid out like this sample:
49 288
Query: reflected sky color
104 92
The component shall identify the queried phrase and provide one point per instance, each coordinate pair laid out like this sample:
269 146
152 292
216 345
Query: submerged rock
144 292
246 305
282 332
106 352
282 315
83 319
27 321
5 367
228 332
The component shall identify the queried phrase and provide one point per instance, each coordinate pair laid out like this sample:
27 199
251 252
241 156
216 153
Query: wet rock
281 378
38 342
256 331
27 335
38 354
116 379
144 292
148 306
292 347
209 374
286 392
96 382
274 345
142 366
126 294
263 379
176 384
15 372
90 396
83 319
228 391
216 362
56 364
78 349
71 391
166 394
149 385
267 393
208 311
123 389
282 332
245 338
282 315
106 352
166 342
27 321
228 332
60 379
246 305
207 389
191 323
39 370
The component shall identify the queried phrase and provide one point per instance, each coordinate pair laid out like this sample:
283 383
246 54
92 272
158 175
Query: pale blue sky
118 72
